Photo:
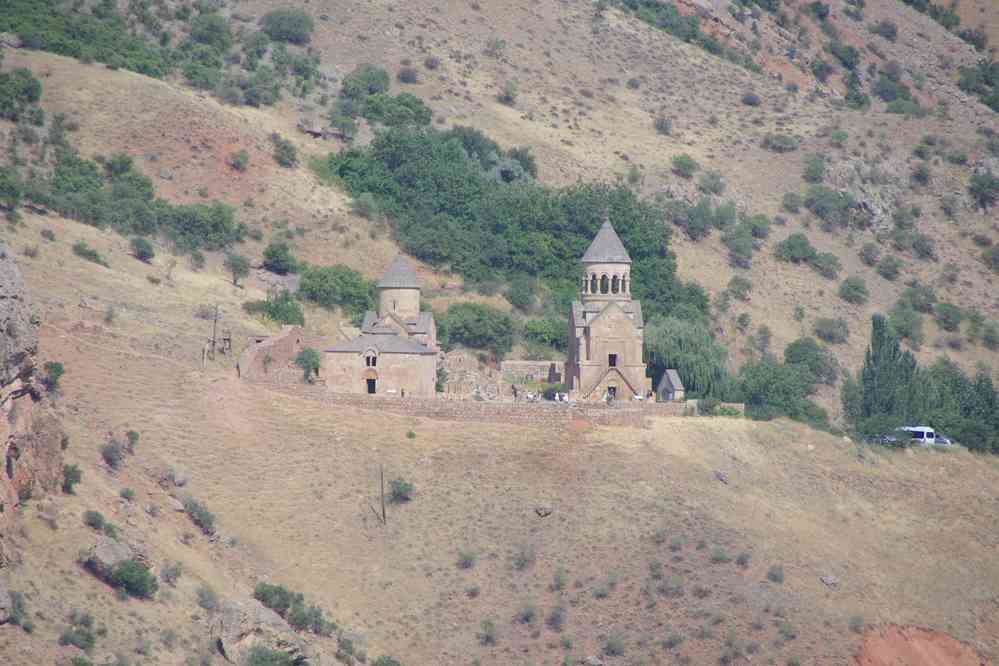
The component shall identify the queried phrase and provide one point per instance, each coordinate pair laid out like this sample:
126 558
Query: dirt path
913 646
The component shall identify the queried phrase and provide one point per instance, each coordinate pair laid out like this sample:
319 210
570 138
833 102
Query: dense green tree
238 267
337 286
820 362
688 346
476 325
288 25
278 258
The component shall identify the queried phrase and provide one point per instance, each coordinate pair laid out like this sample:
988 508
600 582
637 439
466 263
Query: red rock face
914 646
30 438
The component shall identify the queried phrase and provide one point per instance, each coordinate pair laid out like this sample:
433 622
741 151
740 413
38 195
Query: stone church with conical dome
396 352
605 327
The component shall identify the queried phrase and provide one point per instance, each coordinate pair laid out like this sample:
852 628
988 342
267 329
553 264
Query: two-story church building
605 327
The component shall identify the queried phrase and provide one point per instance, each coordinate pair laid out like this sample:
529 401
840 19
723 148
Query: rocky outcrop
29 437
242 625
105 555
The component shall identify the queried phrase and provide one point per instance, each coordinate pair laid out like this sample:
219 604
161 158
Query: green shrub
830 206
556 619
365 80
113 454
238 267
309 361
984 189
200 515
792 202
906 323
279 259
856 624
11 188
780 143
889 267
280 307
207 598
54 370
848 55
796 248
775 574
870 254
337 286
821 69
78 636
833 331
948 316
277 597
84 251
20 93
614 645
212 30
815 169
400 491
664 125
991 257
487 633
854 290
262 656
476 325
684 166
404 109
142 249
135 579
71 475
885 28
93 519
170 572
285 152
826 264
466 559
711 182
240 160
820 363
740 287
408 75
508 93
523 556
287 25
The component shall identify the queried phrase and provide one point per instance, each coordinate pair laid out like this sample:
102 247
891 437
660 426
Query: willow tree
688 346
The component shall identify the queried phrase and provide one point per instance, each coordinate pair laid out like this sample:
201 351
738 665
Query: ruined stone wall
264 358
533 371
30 437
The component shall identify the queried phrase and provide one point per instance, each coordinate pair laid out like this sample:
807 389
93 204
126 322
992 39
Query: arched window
625 285
586 284
615 284
370 360
593 284
604 284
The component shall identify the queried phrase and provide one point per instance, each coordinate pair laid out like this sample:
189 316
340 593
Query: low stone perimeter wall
551 414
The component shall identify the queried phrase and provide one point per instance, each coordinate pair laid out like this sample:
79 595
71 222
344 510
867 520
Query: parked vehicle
920 434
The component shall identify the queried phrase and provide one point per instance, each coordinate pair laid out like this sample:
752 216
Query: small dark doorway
612 392
371 386
612 360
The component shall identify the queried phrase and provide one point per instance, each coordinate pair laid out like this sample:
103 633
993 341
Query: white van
921 435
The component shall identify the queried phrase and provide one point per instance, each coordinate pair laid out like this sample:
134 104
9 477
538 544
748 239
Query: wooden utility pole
215 321
381 469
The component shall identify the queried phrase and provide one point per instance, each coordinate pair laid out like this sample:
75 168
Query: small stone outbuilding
670 387
396 352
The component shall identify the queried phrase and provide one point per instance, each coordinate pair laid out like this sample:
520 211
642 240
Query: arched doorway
370 382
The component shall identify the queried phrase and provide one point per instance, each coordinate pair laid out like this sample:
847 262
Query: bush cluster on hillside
455 199
666 16
291 606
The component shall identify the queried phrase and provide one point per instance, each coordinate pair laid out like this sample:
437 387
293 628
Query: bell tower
606 268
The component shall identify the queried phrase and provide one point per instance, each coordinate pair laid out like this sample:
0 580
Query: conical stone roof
399 275
606 248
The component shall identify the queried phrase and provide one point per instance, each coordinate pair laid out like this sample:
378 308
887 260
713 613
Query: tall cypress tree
887 375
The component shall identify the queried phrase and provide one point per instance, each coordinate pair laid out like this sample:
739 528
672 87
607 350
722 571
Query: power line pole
215 321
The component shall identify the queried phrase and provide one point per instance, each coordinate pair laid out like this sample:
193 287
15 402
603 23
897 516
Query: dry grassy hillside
644 533
575 111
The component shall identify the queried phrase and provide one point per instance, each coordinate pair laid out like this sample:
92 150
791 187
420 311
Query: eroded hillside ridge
30 437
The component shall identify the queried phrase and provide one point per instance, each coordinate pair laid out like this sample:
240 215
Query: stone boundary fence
553 414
